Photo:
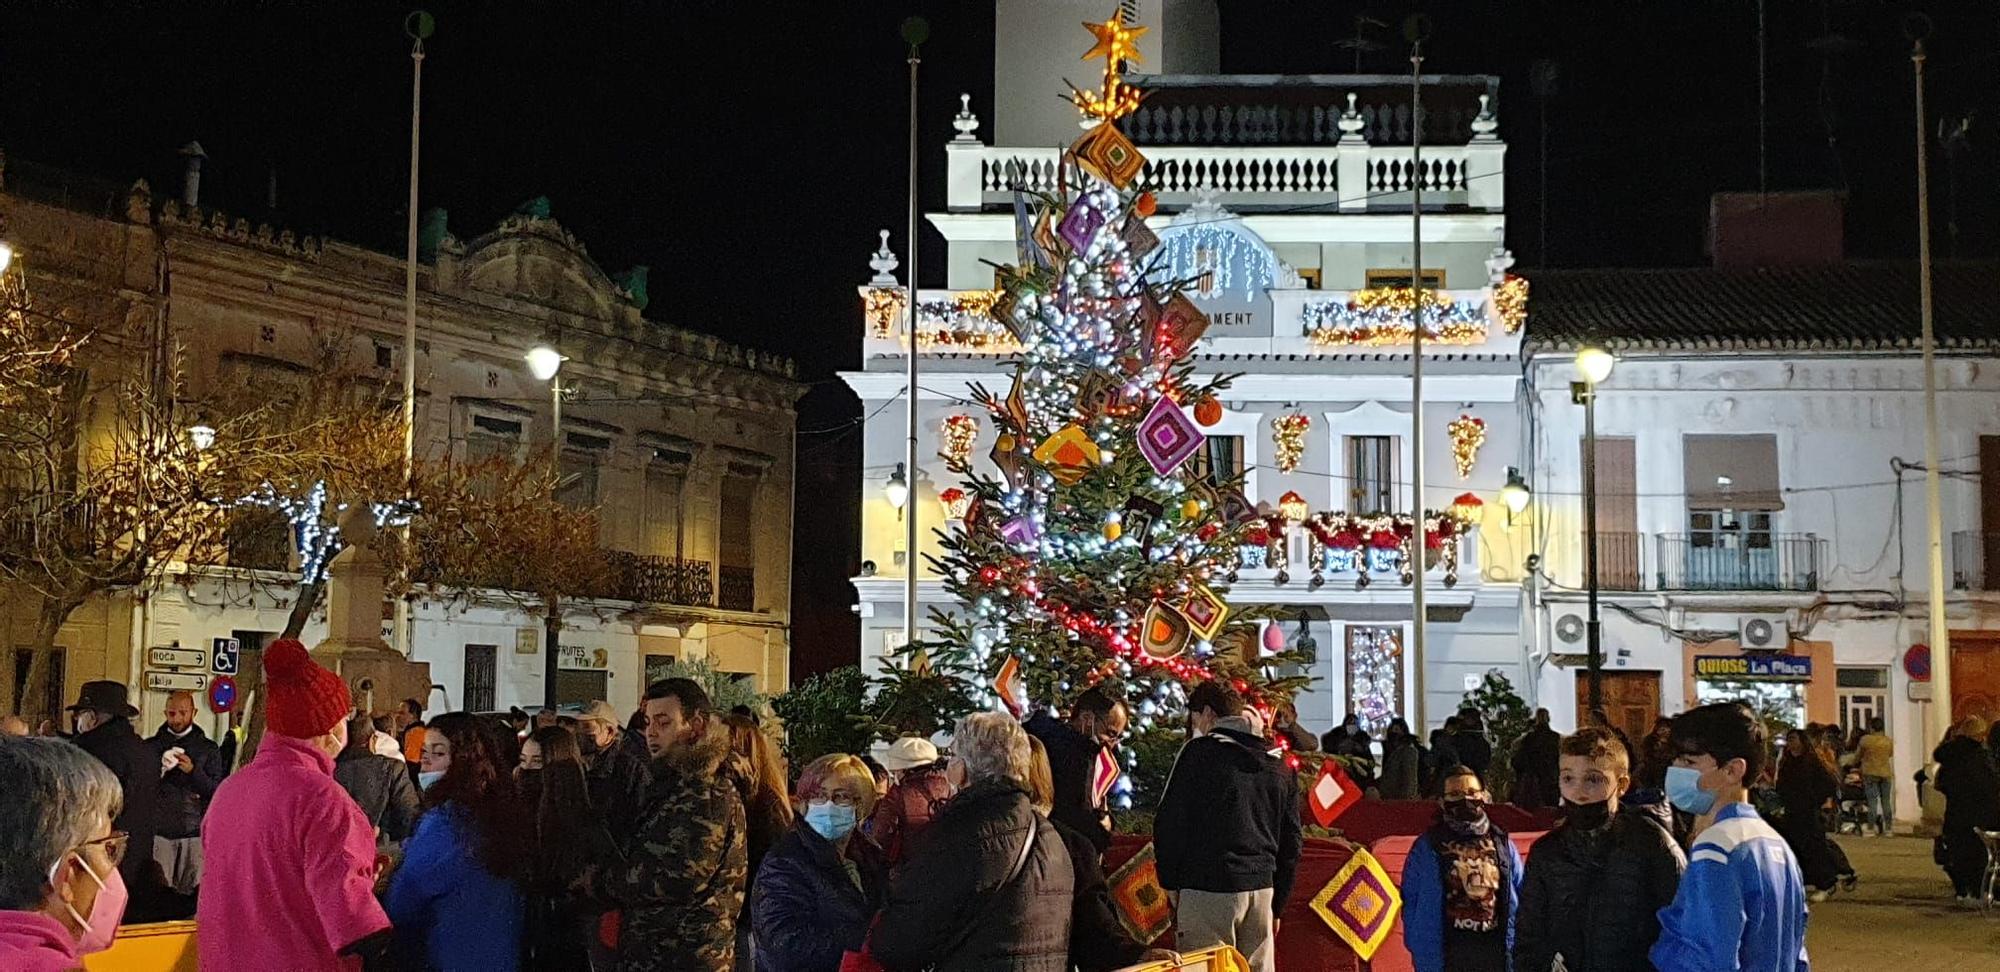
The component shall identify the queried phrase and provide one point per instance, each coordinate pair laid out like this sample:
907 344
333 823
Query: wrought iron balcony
660 580
738 588
1738 561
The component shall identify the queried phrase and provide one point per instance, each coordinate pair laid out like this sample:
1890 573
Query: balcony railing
1299 557
738 588
1971 551
660 580
1618 561
1293 110
1738 562
31 525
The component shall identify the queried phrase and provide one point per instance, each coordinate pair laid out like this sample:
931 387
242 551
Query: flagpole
418 25
916 30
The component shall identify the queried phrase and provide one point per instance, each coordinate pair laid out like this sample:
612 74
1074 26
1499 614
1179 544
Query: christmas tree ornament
1190 509
1294 507
1007 685
1106 153
1117 44
1237 510
1166 437
1467 435
1332 792
1104 775
1205 611
1208 411
1164 633
1113 530
1274 639
1139 239
1288 435
956 502
1095 393
1080 225
1139 514
957 436
1045 233
1179 326
1068 454
1360 904
1146 204
1142 904
1020 531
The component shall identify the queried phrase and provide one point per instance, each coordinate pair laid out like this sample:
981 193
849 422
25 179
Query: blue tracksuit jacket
1741 905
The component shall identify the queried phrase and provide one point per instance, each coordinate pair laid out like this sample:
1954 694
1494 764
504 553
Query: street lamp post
1593 365
545 363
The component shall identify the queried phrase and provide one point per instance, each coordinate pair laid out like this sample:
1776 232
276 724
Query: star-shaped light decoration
1116 43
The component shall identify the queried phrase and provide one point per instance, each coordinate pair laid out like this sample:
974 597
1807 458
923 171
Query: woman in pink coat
288 859
61 896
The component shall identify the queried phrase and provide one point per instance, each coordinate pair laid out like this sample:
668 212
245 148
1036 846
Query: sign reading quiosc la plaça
1754 668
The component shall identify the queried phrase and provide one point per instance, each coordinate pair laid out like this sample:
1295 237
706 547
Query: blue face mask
830 820
424 780
1684 790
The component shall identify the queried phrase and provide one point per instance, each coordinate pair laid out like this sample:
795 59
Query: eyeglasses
837 798
114 846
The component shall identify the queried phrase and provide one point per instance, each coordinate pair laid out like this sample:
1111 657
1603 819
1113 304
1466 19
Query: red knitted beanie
303 700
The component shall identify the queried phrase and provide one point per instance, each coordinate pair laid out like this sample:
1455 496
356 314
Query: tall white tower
1035 46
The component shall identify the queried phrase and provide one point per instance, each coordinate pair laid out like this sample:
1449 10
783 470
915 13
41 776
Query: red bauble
1207 532
1208 411
1146 205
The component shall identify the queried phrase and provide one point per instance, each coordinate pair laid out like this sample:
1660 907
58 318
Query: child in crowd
1742 902
1461 885
1595 885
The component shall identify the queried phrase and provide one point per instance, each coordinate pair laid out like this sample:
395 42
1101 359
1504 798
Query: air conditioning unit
1569 629
1763 634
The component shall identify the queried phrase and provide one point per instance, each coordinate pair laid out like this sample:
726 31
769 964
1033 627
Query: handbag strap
1027 850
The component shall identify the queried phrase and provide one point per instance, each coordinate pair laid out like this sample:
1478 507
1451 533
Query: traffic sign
176 658
222 693
1917 663
175 682
225 655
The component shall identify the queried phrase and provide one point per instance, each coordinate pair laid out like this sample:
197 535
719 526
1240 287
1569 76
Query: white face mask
426 779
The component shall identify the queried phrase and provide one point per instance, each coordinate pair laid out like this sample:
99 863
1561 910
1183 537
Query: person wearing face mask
1595 885
1461 885
289 860
1741 904
822 882
61 894
617 770
1097 722
102 719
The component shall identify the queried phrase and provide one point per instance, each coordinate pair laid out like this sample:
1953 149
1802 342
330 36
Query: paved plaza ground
1901 917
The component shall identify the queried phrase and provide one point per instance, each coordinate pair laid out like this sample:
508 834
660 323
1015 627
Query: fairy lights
1288 435
1383 315
1116 43
958 434
1211 253
1467 435
1510 302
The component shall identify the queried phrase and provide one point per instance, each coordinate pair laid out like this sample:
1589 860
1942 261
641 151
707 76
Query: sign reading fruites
1754 668
577 658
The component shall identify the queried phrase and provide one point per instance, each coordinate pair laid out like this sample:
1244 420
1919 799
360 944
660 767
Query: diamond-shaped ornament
1068 455
1106 153
1205 611
1139 238
1167 437
1080 224
1164 633
1179 326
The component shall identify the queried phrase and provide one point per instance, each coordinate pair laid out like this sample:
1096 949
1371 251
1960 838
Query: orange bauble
1145 205
1208 411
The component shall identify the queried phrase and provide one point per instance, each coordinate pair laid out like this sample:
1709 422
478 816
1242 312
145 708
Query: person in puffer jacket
988 885
1595 885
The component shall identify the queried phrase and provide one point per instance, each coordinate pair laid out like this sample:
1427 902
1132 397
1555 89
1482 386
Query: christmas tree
1099 554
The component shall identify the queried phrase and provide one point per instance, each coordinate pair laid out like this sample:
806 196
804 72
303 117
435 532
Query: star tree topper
1116 43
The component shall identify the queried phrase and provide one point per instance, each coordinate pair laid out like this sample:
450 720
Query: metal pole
552 607
1593 628
403 634
915 31
1940 634
1421 542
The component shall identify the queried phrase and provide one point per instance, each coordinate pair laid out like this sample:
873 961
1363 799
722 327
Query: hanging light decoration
958 435
1294 507
1467 435
1288 433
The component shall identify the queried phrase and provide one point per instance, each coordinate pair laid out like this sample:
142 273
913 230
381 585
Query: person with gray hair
989 886
61 896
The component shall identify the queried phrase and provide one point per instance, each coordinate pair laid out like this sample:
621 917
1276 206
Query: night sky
748 152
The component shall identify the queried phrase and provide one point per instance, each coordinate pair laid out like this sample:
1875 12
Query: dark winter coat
117 745
1402 768
381 787
1537 768
1098 941
1229 819
680 879
1072 765
1472 749
907 809
1594 897
1971 789
1804 786
184 794
619 776
807 909
947 908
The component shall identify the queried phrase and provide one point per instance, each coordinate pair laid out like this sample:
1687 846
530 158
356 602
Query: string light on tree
1117 42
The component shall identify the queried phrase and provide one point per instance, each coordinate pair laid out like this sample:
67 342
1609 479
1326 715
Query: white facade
1287 231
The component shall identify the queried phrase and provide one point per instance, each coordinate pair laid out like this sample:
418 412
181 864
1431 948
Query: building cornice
1273 228
943 386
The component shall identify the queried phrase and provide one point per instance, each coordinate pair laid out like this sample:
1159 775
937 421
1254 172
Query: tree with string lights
1098 555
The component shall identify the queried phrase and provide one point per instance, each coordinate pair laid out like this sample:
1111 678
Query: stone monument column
376 674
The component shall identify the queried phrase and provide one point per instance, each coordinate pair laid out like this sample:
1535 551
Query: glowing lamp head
6 256
897 489
544 362
202 435
1594 364
1294 507
1516 493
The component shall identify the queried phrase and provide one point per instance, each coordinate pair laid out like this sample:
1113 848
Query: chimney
191 184
1777 229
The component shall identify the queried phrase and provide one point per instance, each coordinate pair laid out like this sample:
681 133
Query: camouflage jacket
680 880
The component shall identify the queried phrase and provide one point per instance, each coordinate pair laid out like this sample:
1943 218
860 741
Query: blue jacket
806 910
1423 899
462 916
1741 904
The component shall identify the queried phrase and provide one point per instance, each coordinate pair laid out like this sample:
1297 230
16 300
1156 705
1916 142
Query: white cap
907 752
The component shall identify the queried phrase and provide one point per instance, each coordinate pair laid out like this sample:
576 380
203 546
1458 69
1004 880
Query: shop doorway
1864 697
1631 700
1779 703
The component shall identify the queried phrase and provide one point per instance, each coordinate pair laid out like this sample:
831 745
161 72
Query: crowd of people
678 838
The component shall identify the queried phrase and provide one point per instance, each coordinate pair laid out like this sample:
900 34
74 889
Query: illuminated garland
1361 543
882 307
1288 434
1467 435
1381 315
1208 254
963 321
959 433
1510 302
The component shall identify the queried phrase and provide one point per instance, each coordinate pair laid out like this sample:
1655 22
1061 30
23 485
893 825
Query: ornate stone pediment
531 257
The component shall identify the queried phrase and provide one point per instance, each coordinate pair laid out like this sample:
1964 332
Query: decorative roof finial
1485 123
1500 260
1350 121
965 121
884 263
